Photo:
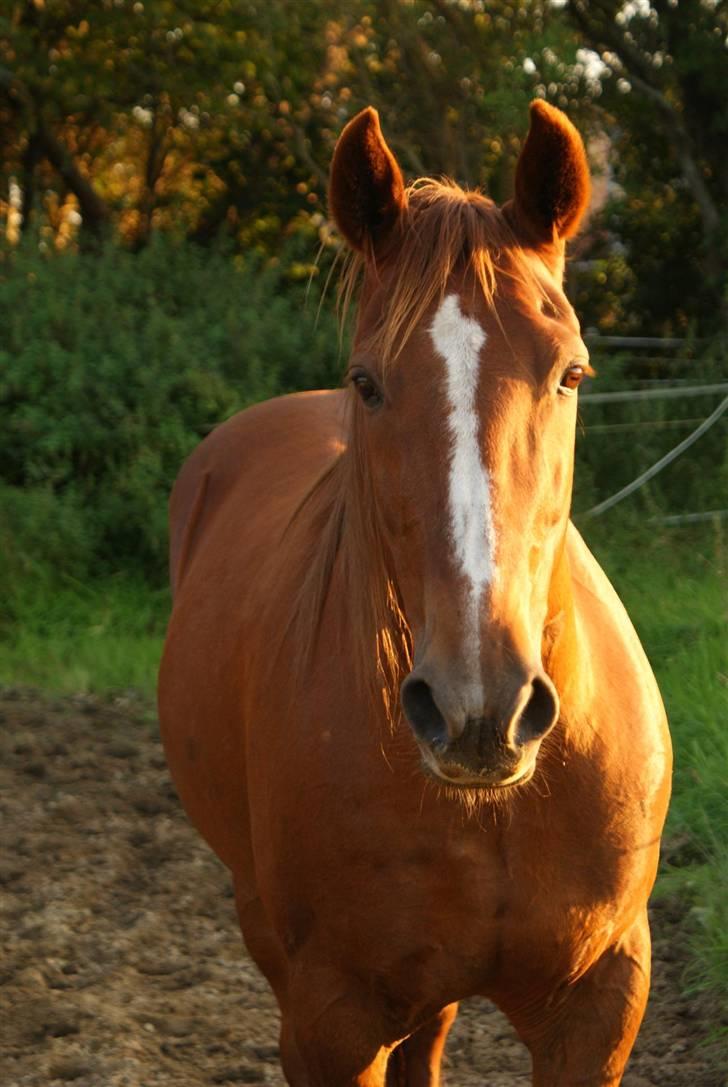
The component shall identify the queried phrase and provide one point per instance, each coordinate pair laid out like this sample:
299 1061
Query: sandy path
121 961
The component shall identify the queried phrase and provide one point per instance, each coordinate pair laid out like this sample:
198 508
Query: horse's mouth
460 777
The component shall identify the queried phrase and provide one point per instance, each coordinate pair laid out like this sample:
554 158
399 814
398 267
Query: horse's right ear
366 190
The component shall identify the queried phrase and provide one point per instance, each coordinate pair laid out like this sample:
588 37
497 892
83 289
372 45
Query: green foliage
113 367
41 531
134 97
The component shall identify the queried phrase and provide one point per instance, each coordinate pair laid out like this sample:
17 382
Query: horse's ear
552 176
366 190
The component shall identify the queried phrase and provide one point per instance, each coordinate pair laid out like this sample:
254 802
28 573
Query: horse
399 698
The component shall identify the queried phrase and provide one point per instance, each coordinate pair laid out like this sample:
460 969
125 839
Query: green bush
114 365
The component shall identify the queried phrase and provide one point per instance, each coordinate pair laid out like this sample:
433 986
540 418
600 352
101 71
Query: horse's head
465 365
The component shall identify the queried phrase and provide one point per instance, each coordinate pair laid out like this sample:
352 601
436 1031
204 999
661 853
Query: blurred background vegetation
129 117
164 248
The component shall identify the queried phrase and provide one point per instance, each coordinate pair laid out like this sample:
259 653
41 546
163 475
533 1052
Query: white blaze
460 339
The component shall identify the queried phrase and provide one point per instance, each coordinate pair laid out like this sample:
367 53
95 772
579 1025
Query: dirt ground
121 960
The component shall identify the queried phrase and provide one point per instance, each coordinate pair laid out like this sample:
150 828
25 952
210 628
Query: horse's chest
417 891
446 912
508 909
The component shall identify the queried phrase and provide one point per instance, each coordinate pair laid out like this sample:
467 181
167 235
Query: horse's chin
455 776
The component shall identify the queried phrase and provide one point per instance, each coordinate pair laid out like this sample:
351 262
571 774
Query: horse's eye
366 388
572 377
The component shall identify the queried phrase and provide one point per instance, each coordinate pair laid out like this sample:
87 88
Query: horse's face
469 438
470 441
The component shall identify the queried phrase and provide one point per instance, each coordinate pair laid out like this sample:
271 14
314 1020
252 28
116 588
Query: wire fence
669 392
663 462
659 388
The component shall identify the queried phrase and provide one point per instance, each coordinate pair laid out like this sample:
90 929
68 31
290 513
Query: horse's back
251 472
230 507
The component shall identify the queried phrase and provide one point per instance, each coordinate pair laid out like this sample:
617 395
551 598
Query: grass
88 637
70 635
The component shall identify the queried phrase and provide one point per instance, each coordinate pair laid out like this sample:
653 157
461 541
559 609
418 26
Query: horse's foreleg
585 1039
340 1050
343 1036
265 949
416 1061
328 1037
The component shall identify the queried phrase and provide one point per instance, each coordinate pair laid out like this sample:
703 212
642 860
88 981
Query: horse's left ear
552 176
366 190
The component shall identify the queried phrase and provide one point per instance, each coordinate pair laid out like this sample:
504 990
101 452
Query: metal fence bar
593 338
665 382
689 518
649 424
659 360
660 464
672 392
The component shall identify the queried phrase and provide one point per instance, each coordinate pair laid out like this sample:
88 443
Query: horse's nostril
539 713
422 713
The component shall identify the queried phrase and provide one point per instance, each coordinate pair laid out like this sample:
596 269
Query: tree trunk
93 209
31 158
45 144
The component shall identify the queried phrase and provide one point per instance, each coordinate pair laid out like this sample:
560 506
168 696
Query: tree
664 89
198 113
85 90
198 116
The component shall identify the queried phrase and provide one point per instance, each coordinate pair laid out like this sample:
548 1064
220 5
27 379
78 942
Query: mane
446 231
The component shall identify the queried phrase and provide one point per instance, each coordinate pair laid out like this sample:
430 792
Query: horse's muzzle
490 749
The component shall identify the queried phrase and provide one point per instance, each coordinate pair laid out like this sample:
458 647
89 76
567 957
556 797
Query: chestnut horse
399 697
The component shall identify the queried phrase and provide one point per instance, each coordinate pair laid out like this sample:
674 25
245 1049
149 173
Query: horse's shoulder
271 443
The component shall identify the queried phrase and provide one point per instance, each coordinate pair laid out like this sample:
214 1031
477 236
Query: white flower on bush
15 194
143 116
188 119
